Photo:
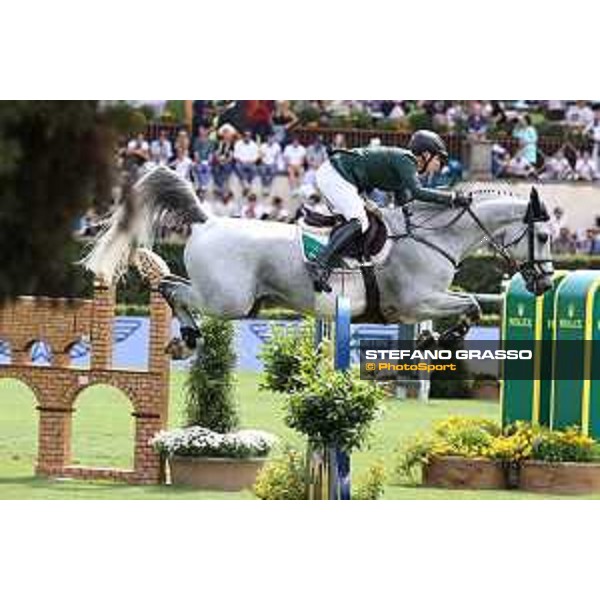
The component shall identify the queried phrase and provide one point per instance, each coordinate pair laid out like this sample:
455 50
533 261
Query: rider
349 173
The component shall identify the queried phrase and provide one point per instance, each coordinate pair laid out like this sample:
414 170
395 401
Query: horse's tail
134 223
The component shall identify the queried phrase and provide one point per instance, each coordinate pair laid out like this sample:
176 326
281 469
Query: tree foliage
56 159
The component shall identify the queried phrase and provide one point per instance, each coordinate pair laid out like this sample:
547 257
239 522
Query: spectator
581 241
397 113
477 124
137 153
557 167
225 206
580 114
527 136
557 222
251 209
339 141
294 156
455 116
564 242
586 167
183 141
183 164
519 166
500 161
246 157
594 241
284 120
593 132
498 113
556 110
270 158
277 212
258 117
203 149
316 153
161 149
223 160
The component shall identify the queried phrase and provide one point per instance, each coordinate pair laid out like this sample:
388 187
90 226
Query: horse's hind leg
180 296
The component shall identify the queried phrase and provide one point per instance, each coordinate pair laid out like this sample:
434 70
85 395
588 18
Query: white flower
199 441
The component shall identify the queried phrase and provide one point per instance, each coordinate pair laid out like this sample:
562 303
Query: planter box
560 478
225 474
464 473
486 391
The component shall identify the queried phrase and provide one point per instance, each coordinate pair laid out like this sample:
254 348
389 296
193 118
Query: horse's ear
534 200
536 209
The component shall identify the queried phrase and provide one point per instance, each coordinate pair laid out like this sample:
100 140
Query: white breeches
340 195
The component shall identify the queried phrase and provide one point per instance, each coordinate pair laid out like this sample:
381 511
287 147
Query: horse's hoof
190 337
322 286
426 340
177 349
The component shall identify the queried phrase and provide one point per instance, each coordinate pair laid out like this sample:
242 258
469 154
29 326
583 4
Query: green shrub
284 478
335 408
289 357
371 485
209 386
412 455
419 119
361 119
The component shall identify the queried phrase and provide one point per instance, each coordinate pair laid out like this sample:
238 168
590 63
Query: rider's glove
461 200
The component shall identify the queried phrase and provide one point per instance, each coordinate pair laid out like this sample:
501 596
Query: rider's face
434 166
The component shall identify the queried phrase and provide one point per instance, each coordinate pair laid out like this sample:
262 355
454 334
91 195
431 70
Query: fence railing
353 138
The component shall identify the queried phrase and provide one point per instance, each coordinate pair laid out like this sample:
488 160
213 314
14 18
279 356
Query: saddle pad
314 239
313 243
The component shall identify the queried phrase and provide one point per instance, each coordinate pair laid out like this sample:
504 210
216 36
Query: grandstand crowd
234 151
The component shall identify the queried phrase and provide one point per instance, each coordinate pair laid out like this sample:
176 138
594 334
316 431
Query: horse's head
531 247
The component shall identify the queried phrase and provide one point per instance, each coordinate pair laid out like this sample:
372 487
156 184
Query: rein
500 249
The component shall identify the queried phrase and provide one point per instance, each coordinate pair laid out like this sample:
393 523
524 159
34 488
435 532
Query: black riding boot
320 269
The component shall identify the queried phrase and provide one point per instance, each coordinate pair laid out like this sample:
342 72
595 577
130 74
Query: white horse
234 264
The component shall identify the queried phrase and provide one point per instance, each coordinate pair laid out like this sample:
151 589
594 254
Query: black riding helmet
428 141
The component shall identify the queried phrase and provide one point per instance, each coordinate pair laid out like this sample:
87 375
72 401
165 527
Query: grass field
103 435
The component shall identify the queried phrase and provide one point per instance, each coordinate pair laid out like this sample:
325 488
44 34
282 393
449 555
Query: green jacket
388 169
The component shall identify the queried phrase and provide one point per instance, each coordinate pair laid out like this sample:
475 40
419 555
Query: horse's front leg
446 304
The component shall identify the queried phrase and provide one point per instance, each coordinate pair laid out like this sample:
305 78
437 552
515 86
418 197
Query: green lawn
103 434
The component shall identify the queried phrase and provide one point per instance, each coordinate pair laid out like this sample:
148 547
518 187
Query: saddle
369 244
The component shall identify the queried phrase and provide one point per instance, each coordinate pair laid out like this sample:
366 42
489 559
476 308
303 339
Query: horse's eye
542 238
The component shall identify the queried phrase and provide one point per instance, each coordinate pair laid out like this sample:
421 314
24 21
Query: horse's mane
488 190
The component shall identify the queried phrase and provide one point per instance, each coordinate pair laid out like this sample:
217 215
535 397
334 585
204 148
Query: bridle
531 268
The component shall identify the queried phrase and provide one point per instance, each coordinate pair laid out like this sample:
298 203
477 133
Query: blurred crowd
234 151
566 241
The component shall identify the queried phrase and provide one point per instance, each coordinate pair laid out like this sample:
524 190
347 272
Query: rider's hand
462 200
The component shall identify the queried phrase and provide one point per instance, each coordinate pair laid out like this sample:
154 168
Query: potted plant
562 462
207 459
210 452
485 386
334 411
455 455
